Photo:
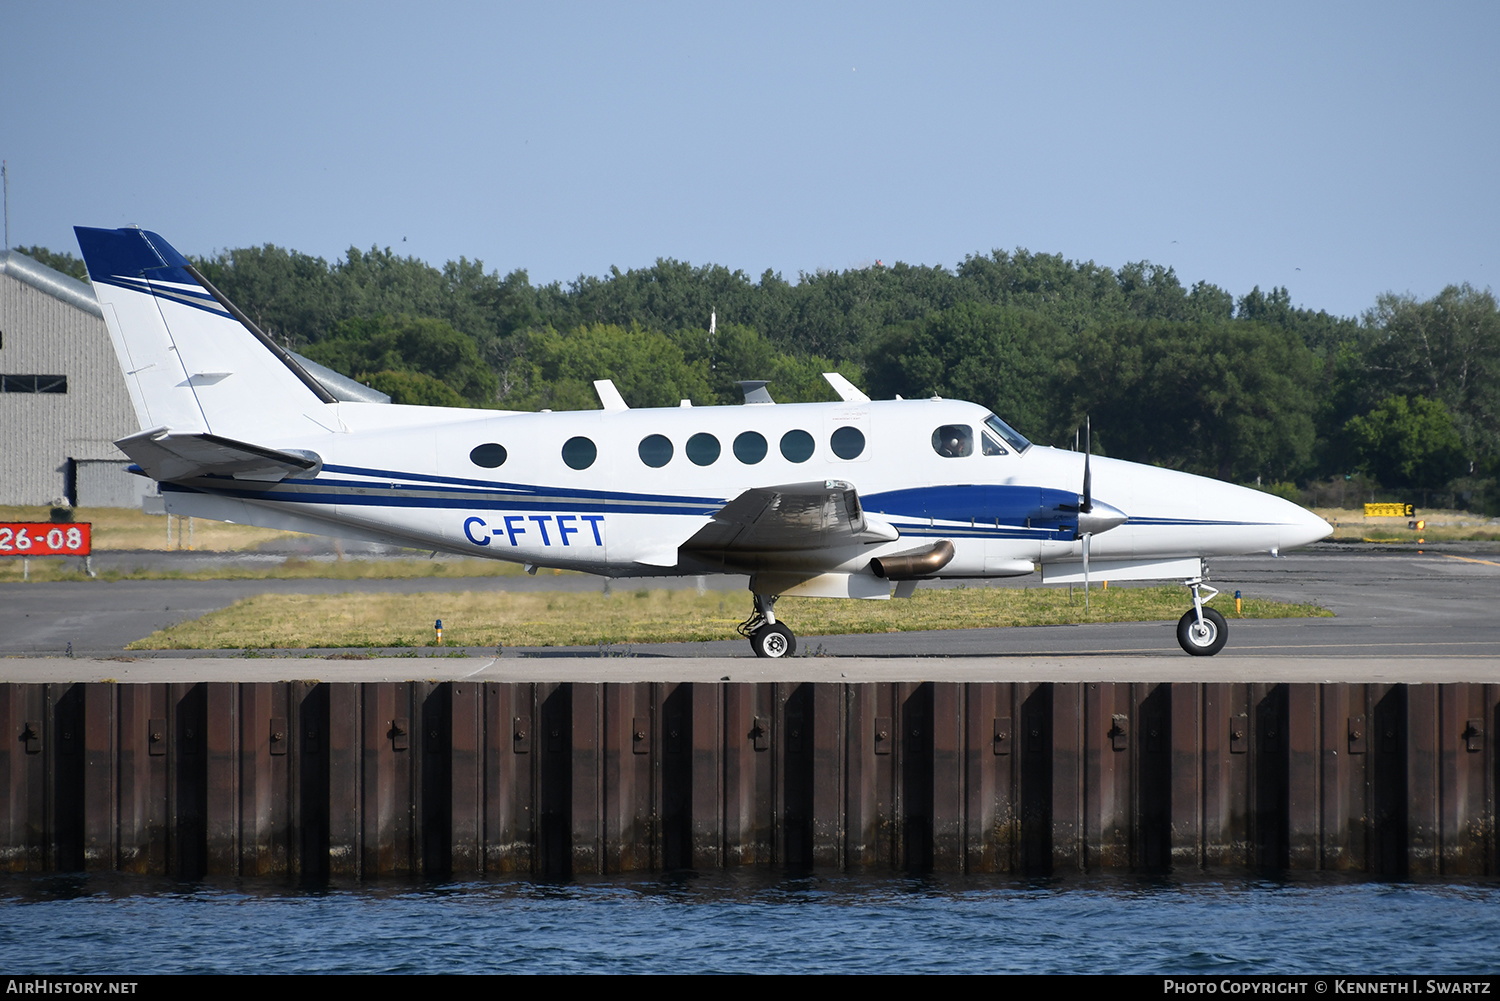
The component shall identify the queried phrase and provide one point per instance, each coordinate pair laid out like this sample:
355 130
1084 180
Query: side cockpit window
1015 439
990 445
953 441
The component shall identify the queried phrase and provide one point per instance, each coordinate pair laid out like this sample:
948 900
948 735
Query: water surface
759 922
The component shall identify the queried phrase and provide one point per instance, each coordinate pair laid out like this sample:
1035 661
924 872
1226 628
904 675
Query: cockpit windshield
1008 434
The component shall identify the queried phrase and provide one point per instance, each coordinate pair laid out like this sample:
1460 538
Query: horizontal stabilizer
166 456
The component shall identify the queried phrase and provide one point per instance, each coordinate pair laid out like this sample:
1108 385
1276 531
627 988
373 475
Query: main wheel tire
1205 640
773 641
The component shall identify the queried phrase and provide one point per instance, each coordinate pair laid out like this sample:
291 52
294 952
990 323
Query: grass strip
472 619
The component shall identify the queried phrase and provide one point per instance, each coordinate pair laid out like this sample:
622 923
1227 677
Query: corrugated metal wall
41 334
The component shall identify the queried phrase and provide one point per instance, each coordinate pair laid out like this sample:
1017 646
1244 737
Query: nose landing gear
1202 631
768 638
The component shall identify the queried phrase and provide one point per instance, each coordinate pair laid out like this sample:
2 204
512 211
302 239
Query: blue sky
1341 150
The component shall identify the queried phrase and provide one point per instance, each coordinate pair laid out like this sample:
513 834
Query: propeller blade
1087 504
1086 537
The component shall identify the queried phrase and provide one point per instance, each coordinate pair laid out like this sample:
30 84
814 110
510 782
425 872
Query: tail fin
193 362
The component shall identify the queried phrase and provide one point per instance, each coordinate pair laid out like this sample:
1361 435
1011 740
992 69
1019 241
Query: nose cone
1279 523
1301 527
1175 514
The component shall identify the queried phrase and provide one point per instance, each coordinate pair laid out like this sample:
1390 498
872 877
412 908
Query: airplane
853 499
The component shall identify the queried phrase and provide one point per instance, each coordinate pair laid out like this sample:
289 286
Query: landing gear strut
1202 631
768 638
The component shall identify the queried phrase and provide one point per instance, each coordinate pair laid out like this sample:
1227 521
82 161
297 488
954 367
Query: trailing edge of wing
166 456
797 516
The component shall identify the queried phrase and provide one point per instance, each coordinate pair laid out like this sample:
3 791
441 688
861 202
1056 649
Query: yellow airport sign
1390 510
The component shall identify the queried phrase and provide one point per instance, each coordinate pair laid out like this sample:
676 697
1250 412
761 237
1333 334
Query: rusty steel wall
315 780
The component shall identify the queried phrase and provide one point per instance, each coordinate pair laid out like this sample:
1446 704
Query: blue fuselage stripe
962 511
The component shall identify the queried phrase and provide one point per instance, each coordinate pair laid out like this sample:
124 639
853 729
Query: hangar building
63 400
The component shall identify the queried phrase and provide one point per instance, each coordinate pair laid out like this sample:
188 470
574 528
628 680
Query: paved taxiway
1400 616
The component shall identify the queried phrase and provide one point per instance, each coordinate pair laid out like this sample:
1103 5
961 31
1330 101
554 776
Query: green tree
415 389
736 352
556 370
412 344
291 296
1408 443
999 357
1445 349
1234 400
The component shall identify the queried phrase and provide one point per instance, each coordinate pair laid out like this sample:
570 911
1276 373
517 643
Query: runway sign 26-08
41 538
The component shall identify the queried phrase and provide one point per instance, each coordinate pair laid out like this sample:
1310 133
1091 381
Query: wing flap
163 455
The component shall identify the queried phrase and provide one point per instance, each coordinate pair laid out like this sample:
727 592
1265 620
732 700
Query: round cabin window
703 448
655 450
796 446
750 447
579 452
847 442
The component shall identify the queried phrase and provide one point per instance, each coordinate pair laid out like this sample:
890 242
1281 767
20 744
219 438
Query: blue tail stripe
110 252
131 253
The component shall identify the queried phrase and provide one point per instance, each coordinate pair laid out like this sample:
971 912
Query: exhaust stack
911 566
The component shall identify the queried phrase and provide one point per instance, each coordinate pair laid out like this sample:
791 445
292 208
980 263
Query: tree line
1249 388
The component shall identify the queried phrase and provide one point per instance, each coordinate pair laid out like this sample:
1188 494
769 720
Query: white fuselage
408 475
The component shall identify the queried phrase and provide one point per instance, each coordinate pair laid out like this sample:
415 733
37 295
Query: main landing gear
768 638
1202 631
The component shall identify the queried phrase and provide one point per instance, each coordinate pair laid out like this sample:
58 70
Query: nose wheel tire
1202 639
773 641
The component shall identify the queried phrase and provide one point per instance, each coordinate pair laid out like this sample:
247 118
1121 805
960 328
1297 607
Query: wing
794 518
166 456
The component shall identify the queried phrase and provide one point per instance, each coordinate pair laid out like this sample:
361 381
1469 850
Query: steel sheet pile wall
359 780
